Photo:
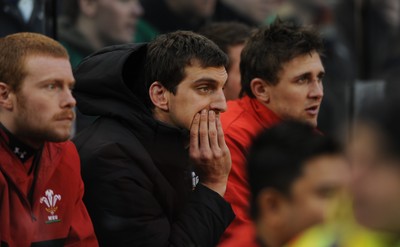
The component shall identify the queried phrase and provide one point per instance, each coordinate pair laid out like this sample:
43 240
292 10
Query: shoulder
109 145
64 154
66 148
238 119
234 112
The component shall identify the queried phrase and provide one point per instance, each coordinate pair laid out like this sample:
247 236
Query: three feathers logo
50 199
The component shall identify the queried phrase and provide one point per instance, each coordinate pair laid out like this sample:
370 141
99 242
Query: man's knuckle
212 134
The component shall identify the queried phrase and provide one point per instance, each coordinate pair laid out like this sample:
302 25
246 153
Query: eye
327 193
302 80
54 87
204 89
51 86
320 78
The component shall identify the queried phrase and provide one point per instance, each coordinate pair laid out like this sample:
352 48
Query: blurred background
362 57
362 36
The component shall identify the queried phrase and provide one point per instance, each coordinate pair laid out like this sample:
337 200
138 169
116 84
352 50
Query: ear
5 96
88 7
158 95
272 206
261 89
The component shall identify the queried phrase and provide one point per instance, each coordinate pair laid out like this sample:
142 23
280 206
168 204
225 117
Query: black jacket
137 176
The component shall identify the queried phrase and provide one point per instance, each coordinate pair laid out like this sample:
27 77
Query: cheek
384 188
291 102
110 20
310 208
185 110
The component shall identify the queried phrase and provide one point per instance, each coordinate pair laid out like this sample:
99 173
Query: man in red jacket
282 75
40 184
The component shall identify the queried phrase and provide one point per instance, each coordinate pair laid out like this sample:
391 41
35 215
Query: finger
204 139
194 132
220 134
212 130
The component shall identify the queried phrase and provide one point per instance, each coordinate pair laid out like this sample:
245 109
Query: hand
209 152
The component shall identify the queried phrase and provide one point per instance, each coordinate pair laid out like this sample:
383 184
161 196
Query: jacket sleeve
237 191
122 201
81 230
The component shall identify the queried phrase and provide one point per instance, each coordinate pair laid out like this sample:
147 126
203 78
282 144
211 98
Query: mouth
313 110
70 116
65 120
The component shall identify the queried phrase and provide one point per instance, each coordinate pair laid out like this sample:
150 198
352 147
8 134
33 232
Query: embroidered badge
50 200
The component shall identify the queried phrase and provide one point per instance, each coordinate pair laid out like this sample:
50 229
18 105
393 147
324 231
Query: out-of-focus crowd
200 123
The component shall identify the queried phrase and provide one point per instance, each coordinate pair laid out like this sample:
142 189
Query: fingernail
211 112
204 111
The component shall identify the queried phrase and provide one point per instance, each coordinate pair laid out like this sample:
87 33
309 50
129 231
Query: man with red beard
281 76
40 183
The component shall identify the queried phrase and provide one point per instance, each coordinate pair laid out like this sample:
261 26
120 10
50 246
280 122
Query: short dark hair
270 47
383 116
278 155
169 54
226 34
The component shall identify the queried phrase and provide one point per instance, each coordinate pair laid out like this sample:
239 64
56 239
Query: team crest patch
50 200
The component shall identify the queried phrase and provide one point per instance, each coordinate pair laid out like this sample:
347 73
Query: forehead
42 67
330 170
325 166
306 63
195 72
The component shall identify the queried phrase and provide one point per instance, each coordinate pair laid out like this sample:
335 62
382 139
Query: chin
60 136
312 122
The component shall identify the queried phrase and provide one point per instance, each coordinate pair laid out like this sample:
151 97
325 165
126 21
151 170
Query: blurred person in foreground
281 76
294 173
89 25
231 38
41 188
159 107
374 153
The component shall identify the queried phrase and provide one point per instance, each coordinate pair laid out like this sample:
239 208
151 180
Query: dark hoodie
138 181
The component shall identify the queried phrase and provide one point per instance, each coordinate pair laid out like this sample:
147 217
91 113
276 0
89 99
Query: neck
161 116
34 144
87 28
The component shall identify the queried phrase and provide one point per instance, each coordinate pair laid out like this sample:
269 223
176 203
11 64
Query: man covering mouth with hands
159 107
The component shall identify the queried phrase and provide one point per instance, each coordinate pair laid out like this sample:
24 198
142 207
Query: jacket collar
21 150
264 115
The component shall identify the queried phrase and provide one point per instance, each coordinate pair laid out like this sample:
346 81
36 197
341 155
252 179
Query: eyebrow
57 81
308 74
208 80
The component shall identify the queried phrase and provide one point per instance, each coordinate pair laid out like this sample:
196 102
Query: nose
218 103
67 99
316 90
